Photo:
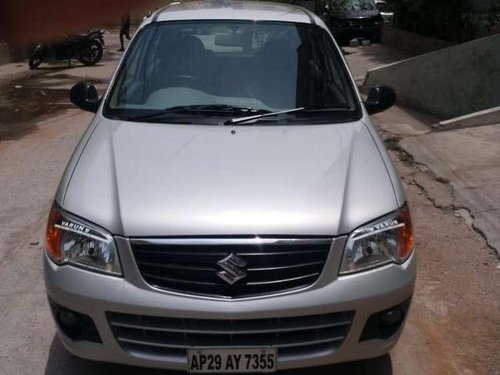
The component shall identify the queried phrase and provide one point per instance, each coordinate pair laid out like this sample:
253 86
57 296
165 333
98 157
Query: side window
321 79
337 85
131 82
152 62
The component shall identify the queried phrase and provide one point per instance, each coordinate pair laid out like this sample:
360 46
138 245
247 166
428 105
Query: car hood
138 179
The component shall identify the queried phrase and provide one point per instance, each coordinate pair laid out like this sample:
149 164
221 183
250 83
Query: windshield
229 67
383 6
360 5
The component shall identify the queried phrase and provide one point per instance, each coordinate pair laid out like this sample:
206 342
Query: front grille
269 265
170 337
356 22
361 21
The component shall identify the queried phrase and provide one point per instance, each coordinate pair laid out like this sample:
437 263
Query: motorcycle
97 34
87 48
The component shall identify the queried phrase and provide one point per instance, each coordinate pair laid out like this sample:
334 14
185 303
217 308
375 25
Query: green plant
443 19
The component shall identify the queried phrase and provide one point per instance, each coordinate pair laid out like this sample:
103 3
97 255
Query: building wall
142 10
4 53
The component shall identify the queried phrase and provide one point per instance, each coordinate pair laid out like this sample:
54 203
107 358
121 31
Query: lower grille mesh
307 335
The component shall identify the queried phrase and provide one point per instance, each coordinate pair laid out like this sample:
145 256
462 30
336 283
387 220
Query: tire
91 53
35 60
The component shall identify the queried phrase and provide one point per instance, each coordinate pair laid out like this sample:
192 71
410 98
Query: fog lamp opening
385 324
392 317
70 324
74 325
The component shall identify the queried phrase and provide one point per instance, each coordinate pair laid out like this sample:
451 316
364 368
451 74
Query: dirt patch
27 97
25 101
21 105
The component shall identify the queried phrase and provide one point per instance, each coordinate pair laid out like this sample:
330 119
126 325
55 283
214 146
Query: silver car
231 207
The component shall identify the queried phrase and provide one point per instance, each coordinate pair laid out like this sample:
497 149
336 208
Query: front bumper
348 33
95 294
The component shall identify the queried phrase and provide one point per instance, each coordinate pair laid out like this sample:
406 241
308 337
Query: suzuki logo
234 269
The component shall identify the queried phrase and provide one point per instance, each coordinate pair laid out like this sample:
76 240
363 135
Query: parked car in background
355 19
385 10
231 207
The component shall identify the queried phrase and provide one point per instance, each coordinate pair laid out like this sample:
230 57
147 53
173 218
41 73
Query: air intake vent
293 336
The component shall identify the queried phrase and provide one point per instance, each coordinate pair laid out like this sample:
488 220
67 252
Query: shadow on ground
60 362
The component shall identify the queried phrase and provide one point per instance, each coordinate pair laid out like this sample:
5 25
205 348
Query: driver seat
184 63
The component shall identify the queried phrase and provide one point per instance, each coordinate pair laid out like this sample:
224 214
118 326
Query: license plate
232 361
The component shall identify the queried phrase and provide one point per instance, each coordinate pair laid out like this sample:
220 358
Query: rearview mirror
379 99
84 96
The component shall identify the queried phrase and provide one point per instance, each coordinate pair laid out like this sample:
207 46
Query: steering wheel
186 77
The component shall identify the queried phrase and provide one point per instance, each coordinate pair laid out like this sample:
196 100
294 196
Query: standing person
124 30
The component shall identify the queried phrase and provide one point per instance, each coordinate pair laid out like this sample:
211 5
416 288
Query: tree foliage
454 20
335 5
332 5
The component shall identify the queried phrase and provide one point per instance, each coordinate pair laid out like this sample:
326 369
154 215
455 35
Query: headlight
387 240
71 240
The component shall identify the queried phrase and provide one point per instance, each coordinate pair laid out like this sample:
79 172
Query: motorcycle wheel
35 60
91 53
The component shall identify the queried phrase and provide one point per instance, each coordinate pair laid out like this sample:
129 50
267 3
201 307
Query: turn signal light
53 236
407 238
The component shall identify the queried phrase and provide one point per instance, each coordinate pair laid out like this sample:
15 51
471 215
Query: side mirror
84 96
379 99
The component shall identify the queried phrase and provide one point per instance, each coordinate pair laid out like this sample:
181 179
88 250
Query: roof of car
234 10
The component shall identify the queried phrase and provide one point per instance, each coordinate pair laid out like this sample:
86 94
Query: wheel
35 60
91 53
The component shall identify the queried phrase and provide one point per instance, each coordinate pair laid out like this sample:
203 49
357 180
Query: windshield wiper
242 120
199 109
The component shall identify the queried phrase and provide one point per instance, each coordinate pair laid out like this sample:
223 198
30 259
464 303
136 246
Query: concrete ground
364 58
469 159
454 324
